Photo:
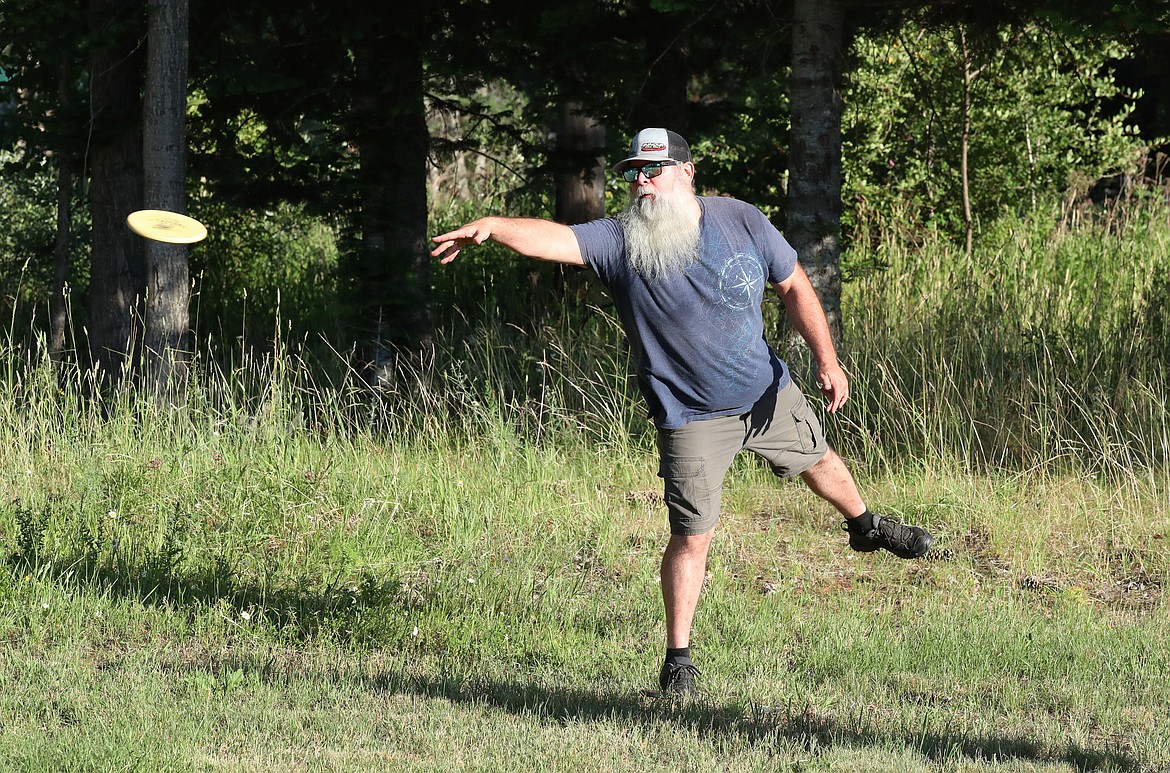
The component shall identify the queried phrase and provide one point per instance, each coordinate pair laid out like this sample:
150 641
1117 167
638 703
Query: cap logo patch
653 147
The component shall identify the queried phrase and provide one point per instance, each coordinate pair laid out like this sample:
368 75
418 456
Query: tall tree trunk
965 139
117 277
58 302
580 176
393 271
166 356
580 184
814 176
662 92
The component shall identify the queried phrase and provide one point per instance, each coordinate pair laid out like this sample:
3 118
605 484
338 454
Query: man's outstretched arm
531 237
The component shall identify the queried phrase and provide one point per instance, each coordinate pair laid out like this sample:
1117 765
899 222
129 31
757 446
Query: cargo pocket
805 434
690 503
683 473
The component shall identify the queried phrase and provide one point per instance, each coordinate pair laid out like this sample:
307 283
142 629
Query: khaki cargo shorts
694 458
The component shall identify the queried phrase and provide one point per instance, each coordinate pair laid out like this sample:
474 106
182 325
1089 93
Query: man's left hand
834 385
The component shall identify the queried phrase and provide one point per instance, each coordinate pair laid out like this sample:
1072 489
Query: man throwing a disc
688 275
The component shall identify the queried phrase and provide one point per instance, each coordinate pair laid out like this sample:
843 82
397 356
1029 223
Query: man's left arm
808 318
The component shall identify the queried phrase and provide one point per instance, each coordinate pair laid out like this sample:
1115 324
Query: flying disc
163 226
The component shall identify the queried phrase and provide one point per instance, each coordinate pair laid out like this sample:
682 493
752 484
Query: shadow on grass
294 604
794 726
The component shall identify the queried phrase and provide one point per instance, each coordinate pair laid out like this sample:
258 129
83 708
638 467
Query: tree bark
117 277
662 91
392 278
580 177
62 262
814 176
965 140
166 349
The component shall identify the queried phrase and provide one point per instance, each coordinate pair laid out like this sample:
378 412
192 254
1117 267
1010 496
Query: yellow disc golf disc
163 226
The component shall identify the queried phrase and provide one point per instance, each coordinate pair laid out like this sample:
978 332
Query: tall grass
1046 347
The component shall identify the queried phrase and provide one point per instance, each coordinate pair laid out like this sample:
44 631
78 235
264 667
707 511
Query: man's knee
689 544
829 464
830 459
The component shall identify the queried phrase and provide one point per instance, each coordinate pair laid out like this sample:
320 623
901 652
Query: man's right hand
452 243
532 237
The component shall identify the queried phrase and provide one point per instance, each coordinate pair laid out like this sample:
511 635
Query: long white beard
662 236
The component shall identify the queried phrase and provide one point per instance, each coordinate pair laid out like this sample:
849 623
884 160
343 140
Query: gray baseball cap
656 145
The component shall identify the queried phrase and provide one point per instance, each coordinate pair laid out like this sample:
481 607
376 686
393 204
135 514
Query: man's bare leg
684 566
831 480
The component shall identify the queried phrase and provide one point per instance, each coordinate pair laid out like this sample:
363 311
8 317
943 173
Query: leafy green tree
819 141
43 127
323 105
320 110
1022 114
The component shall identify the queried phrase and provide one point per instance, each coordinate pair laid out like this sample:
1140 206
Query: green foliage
260 269
30 535
481 150
274 162
1044 108
1044 347
28 198
742 144
27 235
43 88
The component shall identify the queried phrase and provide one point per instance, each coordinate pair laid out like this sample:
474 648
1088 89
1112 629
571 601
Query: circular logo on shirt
741 282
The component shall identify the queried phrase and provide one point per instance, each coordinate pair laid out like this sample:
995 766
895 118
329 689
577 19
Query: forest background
322 145
396 516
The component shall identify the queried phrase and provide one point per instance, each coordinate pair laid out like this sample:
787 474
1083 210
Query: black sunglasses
651 170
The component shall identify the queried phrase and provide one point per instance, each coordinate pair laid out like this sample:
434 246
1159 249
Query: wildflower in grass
245 614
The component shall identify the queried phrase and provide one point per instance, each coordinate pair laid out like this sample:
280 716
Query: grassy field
462 573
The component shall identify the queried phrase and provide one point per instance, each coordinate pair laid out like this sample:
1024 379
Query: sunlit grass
1045 348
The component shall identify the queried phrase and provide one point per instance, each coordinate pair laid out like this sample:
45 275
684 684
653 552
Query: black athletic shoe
898 538
678 677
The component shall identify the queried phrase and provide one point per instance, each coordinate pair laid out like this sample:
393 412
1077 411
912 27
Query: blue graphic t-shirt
699 336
